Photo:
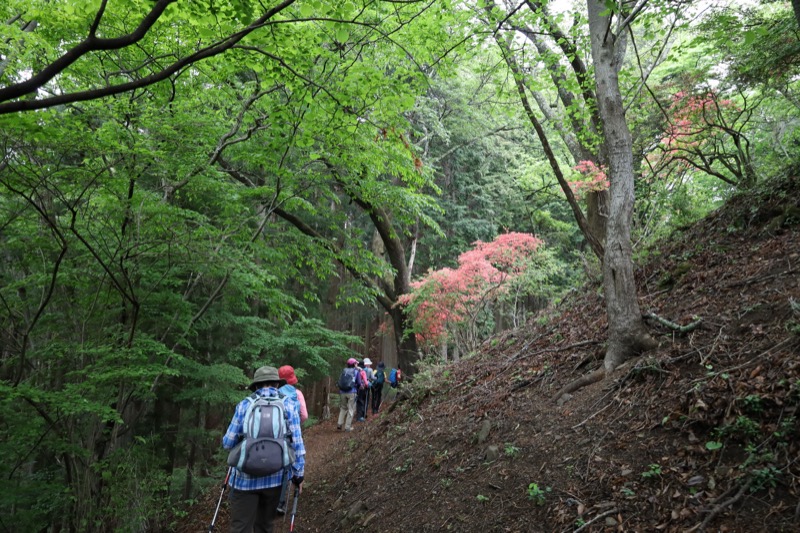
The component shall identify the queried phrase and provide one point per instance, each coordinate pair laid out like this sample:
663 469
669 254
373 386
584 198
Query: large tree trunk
407 350
597 213
627 335
796 7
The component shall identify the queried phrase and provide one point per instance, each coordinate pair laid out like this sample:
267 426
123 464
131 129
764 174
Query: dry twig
595 519
719 508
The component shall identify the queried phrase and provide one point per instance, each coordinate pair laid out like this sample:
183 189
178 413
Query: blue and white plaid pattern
240 480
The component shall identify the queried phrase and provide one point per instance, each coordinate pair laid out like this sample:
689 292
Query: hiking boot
339 428
361 419
348 429
282 509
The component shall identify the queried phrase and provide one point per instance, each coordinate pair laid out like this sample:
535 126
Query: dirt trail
327 449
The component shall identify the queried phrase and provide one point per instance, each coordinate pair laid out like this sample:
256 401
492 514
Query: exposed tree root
672 325
594 377
581 382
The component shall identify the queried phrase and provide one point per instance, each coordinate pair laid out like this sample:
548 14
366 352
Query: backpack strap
252 399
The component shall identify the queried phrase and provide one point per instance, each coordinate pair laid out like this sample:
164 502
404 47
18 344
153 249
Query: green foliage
481 153
537 494
766 50
744 427
765 478
432 374
405 467
653 471
510 450
753 404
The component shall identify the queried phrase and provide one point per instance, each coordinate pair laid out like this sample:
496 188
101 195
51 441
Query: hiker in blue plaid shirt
254 500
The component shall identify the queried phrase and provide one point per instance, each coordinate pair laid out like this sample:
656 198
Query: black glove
297 480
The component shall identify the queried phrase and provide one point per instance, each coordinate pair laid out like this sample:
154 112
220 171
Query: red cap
287 373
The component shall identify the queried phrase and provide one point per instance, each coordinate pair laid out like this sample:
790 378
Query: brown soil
698 435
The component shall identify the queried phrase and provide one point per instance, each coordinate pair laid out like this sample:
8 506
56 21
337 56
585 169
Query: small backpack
265 447
393 377
380 377
347 379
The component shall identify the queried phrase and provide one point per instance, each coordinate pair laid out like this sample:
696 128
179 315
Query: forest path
326 448
327 452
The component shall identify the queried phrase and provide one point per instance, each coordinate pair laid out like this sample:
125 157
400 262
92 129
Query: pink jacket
303 410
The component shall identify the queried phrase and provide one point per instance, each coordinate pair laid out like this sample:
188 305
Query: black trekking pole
285 481
294 507
221 494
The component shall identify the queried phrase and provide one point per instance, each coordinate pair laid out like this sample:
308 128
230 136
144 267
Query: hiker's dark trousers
377 396
254 510
362 403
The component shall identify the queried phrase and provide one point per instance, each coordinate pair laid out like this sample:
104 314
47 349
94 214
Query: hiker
286 373
377 387
349 381
395 377
370 380
254 499
362 399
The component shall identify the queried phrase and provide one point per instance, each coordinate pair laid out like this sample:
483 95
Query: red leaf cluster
450 296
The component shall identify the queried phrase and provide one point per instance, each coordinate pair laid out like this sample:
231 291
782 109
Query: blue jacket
291 393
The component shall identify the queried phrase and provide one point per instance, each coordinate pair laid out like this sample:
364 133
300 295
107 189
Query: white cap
367 361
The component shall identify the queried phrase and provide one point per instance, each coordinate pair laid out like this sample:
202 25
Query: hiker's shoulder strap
251 402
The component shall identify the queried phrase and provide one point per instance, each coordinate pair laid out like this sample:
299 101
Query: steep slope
701 434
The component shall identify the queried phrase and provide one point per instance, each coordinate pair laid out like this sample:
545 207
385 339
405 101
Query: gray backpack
266 444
